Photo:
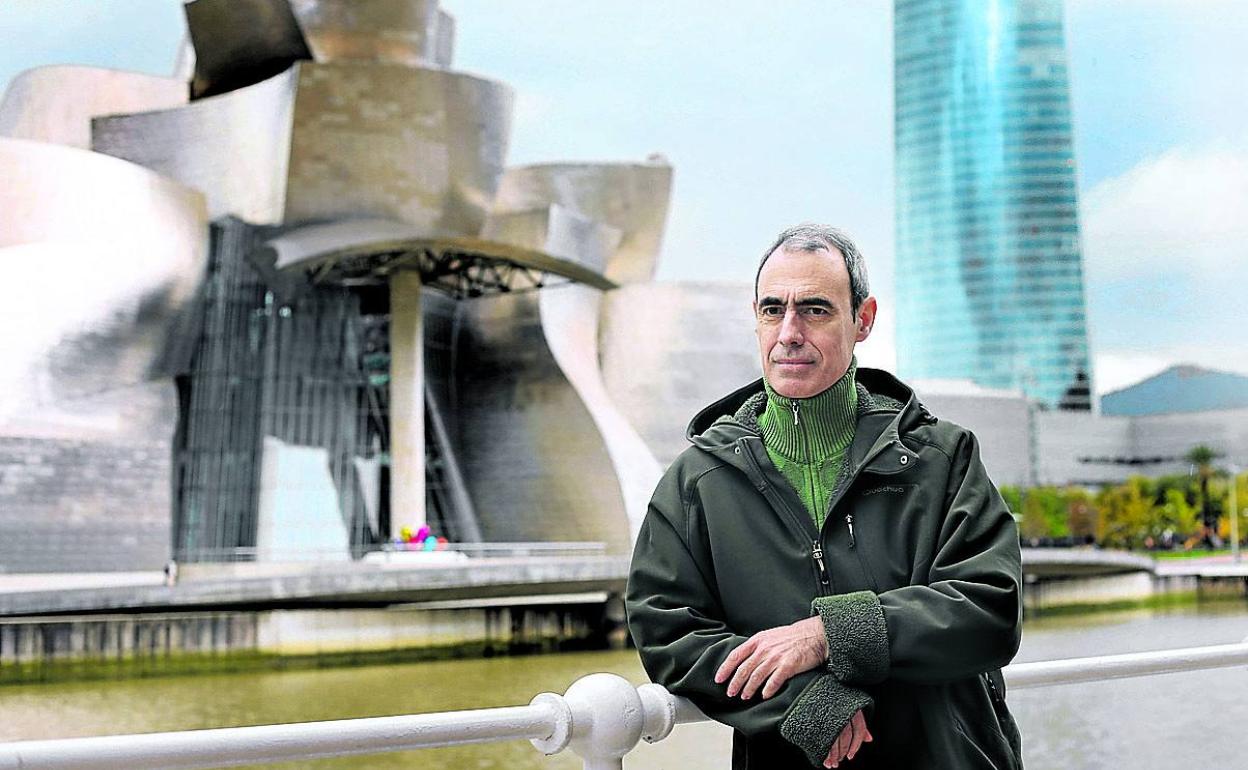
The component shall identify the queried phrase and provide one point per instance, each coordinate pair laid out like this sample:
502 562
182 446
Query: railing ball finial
607 720
660 712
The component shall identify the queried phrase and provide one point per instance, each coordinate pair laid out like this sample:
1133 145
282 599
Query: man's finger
855 742
861 734
777 680
840 747
743 674
757 678
734 659
862 727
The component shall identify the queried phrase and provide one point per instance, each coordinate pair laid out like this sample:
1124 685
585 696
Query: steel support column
407 404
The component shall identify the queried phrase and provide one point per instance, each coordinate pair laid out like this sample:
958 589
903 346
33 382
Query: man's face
805 322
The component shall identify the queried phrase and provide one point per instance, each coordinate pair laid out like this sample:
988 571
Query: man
828 569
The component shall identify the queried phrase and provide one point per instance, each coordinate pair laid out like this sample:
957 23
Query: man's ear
866 318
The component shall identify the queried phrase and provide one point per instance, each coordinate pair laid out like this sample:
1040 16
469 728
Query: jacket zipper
816 552
816 548
992 686
778 502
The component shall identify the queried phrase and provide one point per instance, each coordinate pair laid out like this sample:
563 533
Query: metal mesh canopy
358 253
460 267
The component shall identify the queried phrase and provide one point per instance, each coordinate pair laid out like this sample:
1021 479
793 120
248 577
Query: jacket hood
728 419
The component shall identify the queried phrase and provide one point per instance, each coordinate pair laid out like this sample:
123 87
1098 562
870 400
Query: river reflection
1190 719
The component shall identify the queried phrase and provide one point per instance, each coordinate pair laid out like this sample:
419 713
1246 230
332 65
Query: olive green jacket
915 573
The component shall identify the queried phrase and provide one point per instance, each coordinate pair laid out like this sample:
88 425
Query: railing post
603 717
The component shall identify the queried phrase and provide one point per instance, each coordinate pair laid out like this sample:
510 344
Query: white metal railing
601 718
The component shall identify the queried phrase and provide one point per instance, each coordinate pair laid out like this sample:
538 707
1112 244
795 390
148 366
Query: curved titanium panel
100 258
394 31
184 62
444 40
630 197
234 147
533 457
239 43
556 231
60 193
422 146
332 141
56 104
669 349
569 320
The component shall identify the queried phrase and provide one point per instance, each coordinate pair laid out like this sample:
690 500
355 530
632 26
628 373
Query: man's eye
772 311
814 310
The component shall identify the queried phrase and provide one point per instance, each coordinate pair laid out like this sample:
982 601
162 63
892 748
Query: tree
1082 514
1201 458
1176 515
1128 513
1223 496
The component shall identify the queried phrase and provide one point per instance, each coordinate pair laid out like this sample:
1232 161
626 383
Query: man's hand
850 740
772 657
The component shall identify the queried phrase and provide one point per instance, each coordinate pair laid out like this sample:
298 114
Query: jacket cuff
818 716
857 636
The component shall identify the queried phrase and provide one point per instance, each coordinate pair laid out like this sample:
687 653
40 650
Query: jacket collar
887 409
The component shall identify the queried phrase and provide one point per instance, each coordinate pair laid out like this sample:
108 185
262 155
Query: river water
1197 720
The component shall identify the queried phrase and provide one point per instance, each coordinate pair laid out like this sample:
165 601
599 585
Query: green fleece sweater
806 439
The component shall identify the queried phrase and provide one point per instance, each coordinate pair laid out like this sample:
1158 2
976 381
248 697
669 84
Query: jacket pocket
977 710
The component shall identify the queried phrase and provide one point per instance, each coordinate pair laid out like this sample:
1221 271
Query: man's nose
791 332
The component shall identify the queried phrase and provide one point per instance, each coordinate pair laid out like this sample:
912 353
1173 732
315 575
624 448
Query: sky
777 113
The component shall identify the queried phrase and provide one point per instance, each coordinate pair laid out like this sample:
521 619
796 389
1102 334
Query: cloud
1181 212
1166 256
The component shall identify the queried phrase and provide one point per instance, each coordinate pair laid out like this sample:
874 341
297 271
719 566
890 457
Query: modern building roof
1182 388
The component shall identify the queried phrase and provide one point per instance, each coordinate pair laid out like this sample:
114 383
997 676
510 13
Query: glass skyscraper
989 272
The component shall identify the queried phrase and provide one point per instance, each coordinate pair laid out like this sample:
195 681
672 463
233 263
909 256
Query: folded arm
675 618
965 620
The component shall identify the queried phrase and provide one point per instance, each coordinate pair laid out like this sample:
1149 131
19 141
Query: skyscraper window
989 270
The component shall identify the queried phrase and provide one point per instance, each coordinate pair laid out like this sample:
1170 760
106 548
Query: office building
989 271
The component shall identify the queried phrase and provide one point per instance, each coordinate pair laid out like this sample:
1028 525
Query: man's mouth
795 362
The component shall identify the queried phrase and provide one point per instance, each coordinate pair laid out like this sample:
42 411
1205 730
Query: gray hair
812 238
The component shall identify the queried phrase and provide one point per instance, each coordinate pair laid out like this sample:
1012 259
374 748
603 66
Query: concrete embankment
240 616
142 644
1073 580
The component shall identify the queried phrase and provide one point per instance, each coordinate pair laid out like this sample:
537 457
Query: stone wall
79 505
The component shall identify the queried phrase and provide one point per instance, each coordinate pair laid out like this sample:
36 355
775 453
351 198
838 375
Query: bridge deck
322 585
254 586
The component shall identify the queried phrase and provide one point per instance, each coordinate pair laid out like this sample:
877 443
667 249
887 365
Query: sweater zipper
809 473
816 548
814 502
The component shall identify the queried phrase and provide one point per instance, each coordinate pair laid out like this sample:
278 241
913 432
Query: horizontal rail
233 746
601 718
1079 670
